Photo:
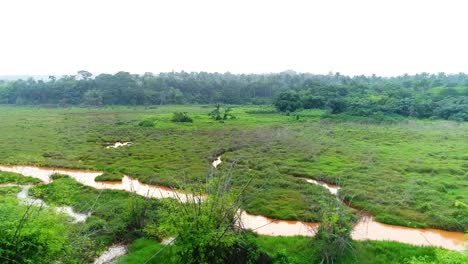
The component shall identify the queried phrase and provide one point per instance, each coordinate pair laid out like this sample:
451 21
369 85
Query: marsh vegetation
409 173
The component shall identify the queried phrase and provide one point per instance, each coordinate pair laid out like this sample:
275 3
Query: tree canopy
421 96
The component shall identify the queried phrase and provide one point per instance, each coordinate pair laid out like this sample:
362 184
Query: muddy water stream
366 228
87 178
266 226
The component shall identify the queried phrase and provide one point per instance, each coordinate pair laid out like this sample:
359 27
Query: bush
288 102
218 116
147 123
32 235
181 117
311 102
205 231
333 236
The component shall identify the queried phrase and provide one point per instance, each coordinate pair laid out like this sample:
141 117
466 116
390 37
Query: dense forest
421 96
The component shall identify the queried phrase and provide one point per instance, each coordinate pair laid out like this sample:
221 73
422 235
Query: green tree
93 98
287 102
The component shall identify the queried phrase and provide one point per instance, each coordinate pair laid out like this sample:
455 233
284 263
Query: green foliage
93 98
333 237
181 117
109 176
32 234
287 102
336 105
115 215
145 250
218 115
421 96
403 171
311 102
441 257
206 232
299 250
8 177
148 122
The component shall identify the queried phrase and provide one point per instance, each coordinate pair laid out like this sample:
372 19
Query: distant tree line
422 95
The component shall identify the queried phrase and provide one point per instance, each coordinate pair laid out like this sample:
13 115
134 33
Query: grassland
412 173
300 250
45 236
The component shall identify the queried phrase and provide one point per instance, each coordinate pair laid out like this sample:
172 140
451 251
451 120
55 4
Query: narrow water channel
366 229
23 197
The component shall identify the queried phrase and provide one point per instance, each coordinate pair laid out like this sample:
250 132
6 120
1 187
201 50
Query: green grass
410 172
300 250
109 176
34 234
8 177
116 216
143 250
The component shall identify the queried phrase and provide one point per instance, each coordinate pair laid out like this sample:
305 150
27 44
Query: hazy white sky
386 37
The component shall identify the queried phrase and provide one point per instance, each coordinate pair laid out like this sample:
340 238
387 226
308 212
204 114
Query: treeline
422 95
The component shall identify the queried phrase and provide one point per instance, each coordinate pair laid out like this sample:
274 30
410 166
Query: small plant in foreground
333 237
206 229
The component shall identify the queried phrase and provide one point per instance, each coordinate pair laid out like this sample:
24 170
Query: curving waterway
23 197
366 228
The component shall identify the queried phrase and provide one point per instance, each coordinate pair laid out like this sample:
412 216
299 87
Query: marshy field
407 175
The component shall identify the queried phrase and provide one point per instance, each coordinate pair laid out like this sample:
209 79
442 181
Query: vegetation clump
221 114
333 237
109 176
149 122
288 102
181 117
206 230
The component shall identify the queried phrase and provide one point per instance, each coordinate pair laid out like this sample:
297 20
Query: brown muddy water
366 228
87 178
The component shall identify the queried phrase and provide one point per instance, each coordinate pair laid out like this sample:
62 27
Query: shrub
333 236
181 117
217 115
147 123
205 230
32 235
288 102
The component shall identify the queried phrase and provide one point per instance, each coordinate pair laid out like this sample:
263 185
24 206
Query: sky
383 37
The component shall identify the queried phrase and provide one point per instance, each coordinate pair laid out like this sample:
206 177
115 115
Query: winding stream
87 178
366 228
23 197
